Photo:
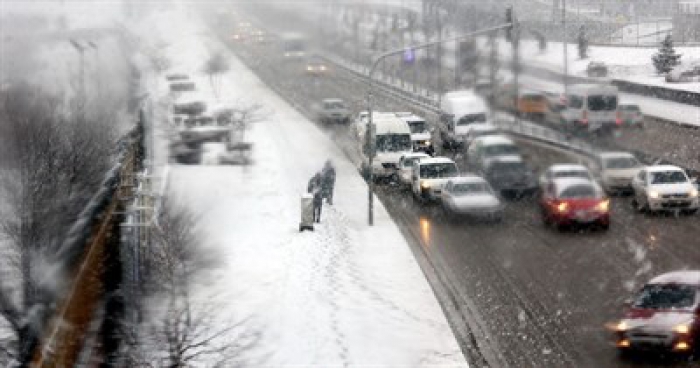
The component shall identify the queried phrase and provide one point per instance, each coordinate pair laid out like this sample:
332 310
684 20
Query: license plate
585 216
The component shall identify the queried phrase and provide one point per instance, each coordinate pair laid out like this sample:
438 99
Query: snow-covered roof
507 158
616 154
567 167
660 168
678 277
436 160
485 127
469 178
331 100
493 139
415 155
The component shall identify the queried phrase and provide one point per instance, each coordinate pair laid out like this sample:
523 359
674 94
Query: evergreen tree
666 59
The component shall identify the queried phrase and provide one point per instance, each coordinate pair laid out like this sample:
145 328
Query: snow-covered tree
666 59
215 66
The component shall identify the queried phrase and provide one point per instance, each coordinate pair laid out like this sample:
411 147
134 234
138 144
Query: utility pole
81 93
566 52
516 63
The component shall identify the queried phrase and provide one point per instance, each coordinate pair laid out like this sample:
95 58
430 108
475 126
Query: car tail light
618 118
584 117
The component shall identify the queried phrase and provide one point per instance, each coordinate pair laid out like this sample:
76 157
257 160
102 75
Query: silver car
471 196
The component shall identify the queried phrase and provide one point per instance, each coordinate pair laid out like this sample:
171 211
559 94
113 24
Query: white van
391 139
460 111
591 107
420 131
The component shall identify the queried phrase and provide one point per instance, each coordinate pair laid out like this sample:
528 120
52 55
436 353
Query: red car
574 200
663 316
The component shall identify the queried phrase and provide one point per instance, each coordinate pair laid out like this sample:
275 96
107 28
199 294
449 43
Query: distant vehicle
316 66
662 316
213 125
259 36
570 201
664 188
293 46
471 196
616 170
480 130
177 77
530 104
560 171
597 69
392 139
406 163
420 132
511 177
681 75
332 110
485 149
555 105
430 175
591 107
631 115
192 104
183 86
460 112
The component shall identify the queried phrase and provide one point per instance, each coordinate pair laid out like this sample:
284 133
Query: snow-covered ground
344 295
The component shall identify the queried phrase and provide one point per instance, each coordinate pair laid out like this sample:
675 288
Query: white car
558 171
471 196
616 170
430 175
420 132
405 169
664 188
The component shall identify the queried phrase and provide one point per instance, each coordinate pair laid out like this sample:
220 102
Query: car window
464 189
418 126
572 174
575 102
334 105
602 102
393 142
409 161
436 171
578 191
622 163
668 177
472 118
501 150
666 296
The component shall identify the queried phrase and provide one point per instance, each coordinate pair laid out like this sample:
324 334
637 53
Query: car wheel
690 212
605 226
639 207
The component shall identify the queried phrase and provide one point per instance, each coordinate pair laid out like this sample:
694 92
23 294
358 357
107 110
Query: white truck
390 137
460 112
591 107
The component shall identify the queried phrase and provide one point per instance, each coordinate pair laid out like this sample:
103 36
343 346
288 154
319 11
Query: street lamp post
81 50
370 92
566 52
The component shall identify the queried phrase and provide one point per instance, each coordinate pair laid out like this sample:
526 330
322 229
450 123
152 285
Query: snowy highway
540 297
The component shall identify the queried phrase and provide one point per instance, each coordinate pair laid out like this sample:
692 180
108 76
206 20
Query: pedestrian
314 182
328 181
430 150
318 203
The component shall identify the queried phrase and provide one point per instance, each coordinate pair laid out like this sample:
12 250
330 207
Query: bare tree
216 65
55 156
183 331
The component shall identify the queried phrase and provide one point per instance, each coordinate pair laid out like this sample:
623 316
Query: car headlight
603 206
681 329
562 207
653 194
693 193
424 185
323 68
309 69
621 327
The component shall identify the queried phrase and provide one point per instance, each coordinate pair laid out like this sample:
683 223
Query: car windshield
410 161
602 102
418 126
442 170
668 177
500 150
470 189
572 174
472 118
622 163
393 142
578 191
334 105
666 296
503 168
533 98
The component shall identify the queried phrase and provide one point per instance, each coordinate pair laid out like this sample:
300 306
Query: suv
616 170
332 110
484 149
511 177
664 188
430 175
597 69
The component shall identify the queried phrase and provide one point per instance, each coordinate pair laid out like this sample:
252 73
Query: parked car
430 175
559 171
572 201
616 170
681 75
664 188
471 196
597 69
631 115
662 316
406 163
332 110
511 177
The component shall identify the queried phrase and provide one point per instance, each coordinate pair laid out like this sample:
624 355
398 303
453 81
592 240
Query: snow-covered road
344 295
